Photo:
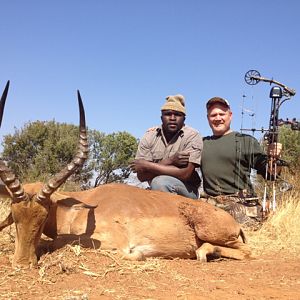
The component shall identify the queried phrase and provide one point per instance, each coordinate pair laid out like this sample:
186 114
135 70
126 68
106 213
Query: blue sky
126 56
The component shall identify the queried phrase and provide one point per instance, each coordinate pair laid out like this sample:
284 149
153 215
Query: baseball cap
214 100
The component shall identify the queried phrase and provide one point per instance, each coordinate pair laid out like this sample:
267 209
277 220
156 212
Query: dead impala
136 222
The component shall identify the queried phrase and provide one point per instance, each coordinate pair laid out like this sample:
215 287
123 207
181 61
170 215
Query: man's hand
180 159
139 165
274 150
143 169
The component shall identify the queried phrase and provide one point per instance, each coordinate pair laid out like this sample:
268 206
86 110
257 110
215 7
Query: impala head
30 207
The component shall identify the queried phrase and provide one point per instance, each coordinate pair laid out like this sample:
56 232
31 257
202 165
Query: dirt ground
74 273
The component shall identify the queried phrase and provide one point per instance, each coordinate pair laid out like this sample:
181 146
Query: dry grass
54 268
280 232
4 207
75 259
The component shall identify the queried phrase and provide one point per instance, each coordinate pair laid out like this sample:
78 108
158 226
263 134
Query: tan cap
214 100
175 102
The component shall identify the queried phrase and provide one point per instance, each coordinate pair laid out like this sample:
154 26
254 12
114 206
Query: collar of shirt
160 132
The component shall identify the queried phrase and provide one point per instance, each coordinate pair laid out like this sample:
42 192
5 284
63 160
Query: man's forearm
150 170
166 162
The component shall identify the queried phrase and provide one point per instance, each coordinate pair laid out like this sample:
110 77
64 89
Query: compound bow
277 92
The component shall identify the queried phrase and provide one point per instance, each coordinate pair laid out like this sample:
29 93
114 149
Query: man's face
219 118
172 121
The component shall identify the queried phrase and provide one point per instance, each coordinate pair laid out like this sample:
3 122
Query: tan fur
136 222
29 218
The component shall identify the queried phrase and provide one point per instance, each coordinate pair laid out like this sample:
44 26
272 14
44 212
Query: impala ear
80 206
4 192
8 221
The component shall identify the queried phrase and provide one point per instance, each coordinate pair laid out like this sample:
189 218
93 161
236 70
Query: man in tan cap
168 155
226 164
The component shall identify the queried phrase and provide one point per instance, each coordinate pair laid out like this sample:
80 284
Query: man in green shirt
226 164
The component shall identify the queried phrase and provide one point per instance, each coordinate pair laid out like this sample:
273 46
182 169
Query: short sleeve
144 148
194 145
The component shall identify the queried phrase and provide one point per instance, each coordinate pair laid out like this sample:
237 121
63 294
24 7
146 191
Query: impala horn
3 100
7 176
82 153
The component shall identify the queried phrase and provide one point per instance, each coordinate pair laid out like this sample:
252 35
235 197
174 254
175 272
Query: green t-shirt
227 162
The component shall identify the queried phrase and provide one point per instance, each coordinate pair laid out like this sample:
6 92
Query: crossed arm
177 166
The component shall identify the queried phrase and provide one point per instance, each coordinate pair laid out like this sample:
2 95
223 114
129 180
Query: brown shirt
153 147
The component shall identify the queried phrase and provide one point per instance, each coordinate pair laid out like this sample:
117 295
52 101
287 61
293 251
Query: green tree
290 140
41 149
111 155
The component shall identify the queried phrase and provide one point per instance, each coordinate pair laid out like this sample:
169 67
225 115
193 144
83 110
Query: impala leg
206 249
240 251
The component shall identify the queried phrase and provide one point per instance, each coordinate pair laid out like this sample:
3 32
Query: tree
111 155
41 149
290 140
